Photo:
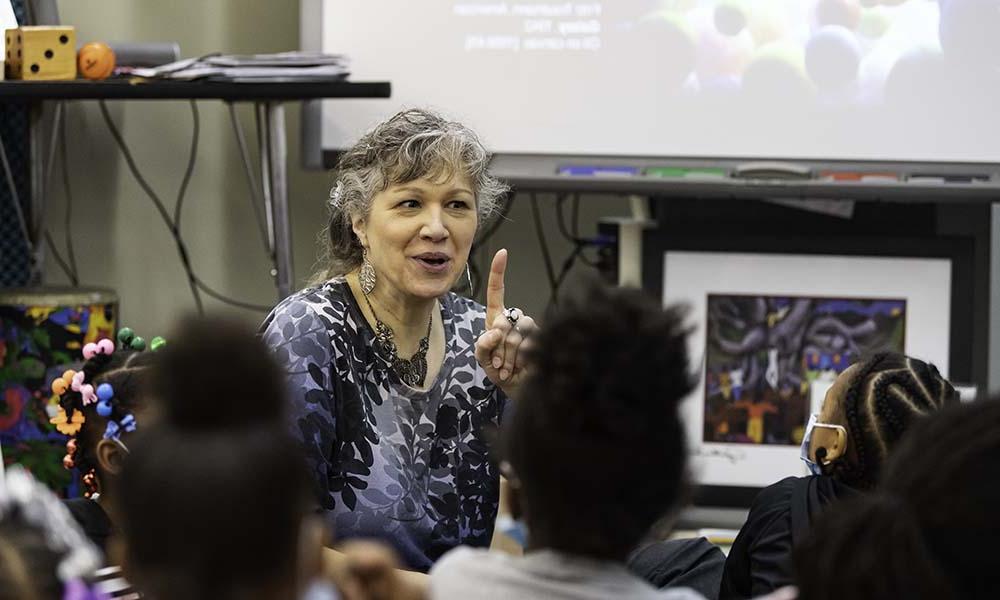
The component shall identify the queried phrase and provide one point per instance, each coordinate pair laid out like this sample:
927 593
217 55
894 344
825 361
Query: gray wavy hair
413 144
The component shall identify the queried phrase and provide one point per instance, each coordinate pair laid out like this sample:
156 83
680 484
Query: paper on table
258 67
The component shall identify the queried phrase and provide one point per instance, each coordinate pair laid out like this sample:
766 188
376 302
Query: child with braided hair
930 529
866 412
99 407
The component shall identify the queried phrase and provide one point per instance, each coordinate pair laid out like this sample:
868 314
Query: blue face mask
814 468
513 528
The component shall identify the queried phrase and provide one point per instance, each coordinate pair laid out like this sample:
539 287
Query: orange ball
95 60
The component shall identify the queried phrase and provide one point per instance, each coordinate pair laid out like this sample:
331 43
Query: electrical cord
161 209
189 170
68 265
194 282
42 193
59 260
67 229
256 195
543 244
575 215
573 235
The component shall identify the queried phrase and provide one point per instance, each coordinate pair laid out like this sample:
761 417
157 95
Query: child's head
95 448
215 499
595 442
876 401
929 531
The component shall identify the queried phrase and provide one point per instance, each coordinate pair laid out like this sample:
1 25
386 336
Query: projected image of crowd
858 51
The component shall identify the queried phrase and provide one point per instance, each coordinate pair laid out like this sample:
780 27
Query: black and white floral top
391 462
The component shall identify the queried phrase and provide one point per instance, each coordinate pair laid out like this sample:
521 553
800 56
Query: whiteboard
869 80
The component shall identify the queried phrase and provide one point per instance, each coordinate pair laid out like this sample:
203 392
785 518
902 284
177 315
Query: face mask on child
814 468
513 528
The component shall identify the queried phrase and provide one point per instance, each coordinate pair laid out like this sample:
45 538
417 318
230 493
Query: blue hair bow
115 429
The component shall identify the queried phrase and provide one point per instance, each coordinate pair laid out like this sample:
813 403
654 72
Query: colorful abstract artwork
36 344
764 352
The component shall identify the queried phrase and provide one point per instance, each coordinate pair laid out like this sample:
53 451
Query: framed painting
773 330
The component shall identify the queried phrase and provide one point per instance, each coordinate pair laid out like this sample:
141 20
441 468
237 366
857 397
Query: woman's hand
364 570
500 350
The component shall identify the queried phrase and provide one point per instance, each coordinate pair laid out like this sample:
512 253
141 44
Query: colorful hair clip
77 380
125 336
105 392
104 346
115 429
67 425
59 386
87 393
104 408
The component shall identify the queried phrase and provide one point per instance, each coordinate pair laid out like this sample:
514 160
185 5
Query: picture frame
691 277
955 232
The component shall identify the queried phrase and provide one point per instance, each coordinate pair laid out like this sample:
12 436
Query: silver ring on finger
513 315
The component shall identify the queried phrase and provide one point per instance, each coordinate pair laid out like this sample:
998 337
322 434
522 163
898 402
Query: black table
271 185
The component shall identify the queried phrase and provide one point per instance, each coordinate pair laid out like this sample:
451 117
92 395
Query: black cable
44 192
256 196
181 248
572 235
575 218
189 170
193 280
542 244
561 221
575 225
59 259
67 229
222 298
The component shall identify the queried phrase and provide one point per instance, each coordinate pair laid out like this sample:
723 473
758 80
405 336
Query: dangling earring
367 274
468 275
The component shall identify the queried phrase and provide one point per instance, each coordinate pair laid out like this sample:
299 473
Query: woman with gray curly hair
395 380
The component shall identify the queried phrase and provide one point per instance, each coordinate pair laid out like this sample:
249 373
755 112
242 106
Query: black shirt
689 563
760 559
93 520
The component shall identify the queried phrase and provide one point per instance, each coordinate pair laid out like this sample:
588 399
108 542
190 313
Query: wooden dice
41 53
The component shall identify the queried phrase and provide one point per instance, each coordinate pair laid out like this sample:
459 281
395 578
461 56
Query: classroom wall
120 241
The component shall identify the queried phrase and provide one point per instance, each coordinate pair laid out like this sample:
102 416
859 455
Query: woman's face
418 235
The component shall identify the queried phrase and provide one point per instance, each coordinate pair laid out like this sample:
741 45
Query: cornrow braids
884 397
929 531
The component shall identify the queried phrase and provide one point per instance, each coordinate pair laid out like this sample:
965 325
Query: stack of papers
283 66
